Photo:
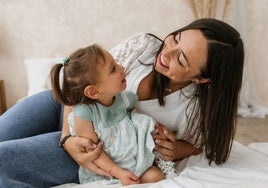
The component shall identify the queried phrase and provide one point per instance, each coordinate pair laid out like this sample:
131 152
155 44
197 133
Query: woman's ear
201 80
92 92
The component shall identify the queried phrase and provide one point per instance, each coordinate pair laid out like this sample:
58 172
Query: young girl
93 82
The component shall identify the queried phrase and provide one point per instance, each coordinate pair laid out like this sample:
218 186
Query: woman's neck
146 91
172 87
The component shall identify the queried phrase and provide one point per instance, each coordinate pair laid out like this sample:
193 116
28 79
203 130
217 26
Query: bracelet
110 169
63 139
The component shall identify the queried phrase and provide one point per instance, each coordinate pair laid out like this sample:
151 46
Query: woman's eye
177 38
179 59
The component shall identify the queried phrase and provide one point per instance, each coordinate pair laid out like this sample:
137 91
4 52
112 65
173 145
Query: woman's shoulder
139 38
136 54
134 47
143 37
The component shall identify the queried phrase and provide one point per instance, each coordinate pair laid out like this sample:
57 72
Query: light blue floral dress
127 136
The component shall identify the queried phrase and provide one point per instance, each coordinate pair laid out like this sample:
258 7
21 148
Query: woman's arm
84 128
170 148
80 149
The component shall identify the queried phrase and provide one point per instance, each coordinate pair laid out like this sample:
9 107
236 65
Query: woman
190 84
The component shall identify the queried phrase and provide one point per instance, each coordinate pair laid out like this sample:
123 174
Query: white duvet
247 167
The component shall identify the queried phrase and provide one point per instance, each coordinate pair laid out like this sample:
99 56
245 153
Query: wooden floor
252 130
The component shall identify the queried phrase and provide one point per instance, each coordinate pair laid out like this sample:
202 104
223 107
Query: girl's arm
81 149
85 129
126 177
170 148
65 126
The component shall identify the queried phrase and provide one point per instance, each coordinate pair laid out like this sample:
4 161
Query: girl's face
111 78
182 57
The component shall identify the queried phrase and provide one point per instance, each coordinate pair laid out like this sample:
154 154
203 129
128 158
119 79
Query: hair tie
64 60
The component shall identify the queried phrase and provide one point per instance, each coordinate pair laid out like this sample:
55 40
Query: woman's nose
171 47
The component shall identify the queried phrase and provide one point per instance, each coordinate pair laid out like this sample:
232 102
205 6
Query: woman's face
182 57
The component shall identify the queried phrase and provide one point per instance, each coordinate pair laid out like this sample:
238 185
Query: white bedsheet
247 167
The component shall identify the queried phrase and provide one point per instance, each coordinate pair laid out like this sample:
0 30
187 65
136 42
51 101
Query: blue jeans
29 152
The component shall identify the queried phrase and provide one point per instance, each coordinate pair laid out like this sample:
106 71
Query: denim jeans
29 152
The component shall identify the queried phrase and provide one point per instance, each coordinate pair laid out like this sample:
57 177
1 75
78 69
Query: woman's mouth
160 59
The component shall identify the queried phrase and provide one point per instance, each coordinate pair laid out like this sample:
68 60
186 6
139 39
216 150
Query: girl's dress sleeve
83 111
129 99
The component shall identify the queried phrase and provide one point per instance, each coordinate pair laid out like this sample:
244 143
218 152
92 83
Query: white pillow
38 71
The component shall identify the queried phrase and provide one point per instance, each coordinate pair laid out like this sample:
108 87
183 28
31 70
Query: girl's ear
92 92
201 80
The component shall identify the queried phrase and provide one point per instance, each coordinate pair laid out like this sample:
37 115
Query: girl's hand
165 142
128 178
84 151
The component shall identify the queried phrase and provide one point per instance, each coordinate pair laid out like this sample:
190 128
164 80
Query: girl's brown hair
79 71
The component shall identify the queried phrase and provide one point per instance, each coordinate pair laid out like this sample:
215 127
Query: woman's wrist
63 140
185 149
196 151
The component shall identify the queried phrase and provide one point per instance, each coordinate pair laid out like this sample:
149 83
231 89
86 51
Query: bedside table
3 106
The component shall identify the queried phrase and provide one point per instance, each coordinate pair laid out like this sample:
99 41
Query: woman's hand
170 148
165 142
84 151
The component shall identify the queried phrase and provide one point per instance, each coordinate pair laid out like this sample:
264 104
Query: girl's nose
122 69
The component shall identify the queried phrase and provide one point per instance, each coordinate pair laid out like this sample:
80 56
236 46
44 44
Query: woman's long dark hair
212 116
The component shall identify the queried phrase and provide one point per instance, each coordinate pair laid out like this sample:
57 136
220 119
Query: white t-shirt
142 48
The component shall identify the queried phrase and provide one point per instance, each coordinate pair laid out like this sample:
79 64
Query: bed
246 167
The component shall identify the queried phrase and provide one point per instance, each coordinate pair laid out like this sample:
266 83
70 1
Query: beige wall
50 28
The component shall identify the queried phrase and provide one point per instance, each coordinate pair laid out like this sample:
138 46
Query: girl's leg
36 161
33 115
151 175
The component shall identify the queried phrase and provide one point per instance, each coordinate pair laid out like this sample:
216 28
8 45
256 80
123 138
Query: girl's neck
106 101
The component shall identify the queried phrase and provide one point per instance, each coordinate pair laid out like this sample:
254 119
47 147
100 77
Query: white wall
50 28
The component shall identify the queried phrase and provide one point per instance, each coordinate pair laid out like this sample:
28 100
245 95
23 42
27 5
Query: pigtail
57 92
